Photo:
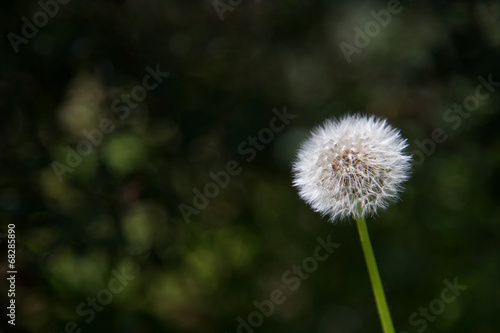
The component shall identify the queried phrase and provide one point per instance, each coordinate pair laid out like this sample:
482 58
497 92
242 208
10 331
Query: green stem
378 290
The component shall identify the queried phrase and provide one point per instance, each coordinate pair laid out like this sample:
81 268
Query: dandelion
354 167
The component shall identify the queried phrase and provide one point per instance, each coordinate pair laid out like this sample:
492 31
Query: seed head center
347 160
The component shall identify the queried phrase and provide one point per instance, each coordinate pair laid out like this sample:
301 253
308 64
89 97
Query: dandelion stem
378 290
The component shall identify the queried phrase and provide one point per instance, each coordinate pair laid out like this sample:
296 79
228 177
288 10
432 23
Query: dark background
119 208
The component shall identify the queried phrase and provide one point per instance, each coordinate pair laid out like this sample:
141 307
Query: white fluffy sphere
351 167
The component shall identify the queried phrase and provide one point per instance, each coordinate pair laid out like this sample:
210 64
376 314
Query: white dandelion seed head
351 167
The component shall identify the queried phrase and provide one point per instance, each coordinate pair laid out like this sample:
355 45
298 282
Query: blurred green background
119 208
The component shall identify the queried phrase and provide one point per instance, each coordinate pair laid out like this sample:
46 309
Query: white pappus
352 166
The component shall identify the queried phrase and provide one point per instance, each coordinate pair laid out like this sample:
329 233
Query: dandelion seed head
351 167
